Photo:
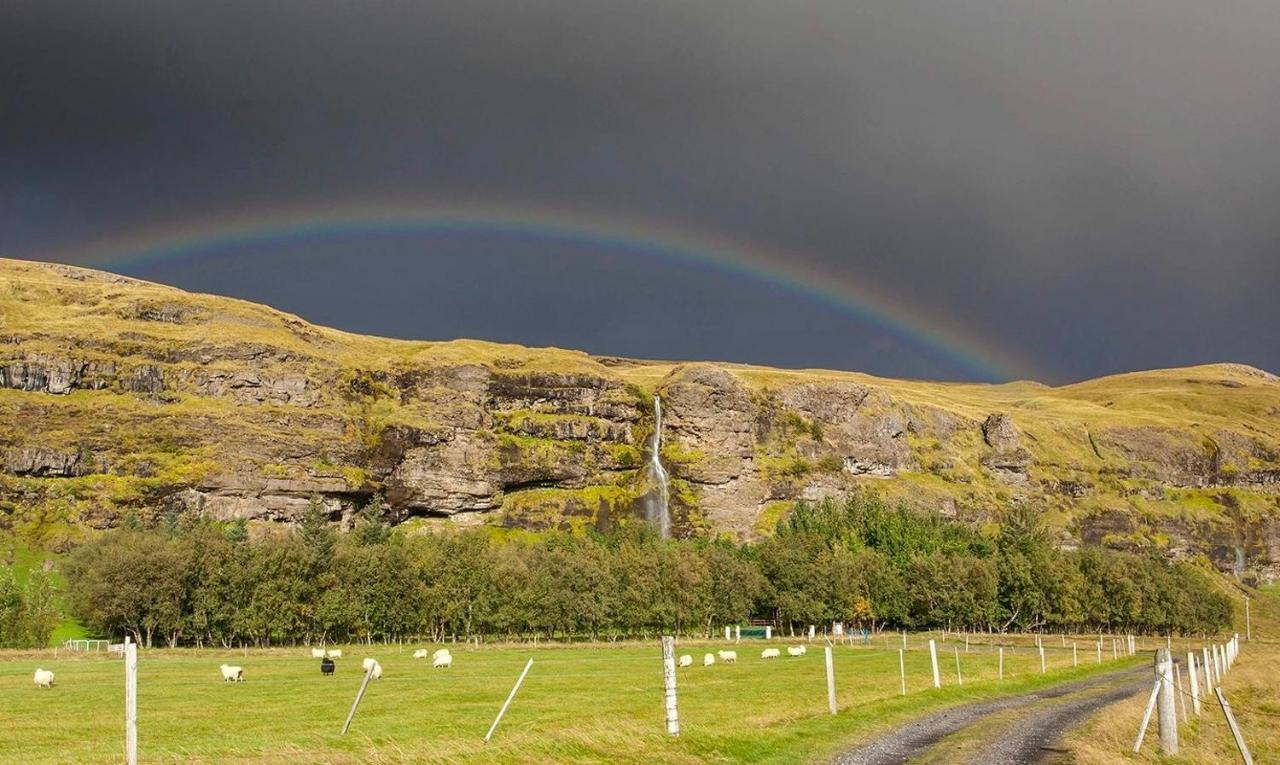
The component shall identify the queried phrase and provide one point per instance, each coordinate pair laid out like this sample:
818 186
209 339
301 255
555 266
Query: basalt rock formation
119 396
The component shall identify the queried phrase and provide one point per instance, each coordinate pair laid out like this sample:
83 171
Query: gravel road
1050 713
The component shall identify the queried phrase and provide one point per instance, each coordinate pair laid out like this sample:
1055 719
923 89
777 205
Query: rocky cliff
121 396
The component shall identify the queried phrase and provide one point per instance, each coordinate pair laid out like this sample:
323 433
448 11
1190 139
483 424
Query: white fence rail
90 646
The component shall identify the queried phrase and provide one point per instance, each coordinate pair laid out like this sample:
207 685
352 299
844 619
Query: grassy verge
580 704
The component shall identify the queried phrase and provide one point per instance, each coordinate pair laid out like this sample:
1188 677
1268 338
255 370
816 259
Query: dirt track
1043 716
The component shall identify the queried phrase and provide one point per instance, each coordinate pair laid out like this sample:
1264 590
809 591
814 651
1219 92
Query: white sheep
442 660
372 666
770 653
317 653
686 660
44 678
708 659
729 657
376 673
232 674
421 653
440 652
796 650
334 654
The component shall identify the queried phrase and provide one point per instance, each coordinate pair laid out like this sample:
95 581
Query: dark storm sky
1090 186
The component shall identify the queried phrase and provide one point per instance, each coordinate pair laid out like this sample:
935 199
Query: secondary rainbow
238 234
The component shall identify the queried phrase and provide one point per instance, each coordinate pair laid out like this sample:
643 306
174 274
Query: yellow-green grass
579 704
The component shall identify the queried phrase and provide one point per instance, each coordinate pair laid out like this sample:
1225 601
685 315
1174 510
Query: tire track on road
1030 739
916 738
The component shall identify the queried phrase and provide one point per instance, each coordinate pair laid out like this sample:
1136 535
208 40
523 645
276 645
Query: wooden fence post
1099 651
1167 713
902 670
1195 683
1248 626
1235 729
1208 670
364 684
1146 715
1075 658
669 685
1042 660
1177 686
933 658
130 701
959 677
1000 665
831 682
520 680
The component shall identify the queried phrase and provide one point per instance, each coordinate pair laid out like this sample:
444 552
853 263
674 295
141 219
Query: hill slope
118 395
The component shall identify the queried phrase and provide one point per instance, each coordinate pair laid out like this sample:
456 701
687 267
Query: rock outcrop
711 422
42 462
1008 459
48 373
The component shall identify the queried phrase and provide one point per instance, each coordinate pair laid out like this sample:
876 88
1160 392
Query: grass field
579 704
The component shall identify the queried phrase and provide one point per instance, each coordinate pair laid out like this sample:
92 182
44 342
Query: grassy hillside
119 396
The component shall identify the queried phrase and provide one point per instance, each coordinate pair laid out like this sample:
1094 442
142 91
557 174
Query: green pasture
581 704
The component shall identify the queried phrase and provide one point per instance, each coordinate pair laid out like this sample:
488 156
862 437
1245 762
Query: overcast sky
1092 186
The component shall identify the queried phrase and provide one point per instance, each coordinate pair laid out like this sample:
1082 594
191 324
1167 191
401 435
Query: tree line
857 560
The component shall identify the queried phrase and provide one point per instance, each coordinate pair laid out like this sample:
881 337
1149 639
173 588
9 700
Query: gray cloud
1089 184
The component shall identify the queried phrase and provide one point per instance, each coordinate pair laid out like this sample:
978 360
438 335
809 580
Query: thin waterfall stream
657 506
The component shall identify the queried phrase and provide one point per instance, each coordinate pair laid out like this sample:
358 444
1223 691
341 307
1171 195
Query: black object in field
326 666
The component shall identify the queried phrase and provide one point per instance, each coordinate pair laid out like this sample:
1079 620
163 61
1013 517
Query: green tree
129 581
370 527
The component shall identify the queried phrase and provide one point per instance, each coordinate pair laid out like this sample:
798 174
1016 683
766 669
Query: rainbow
235 234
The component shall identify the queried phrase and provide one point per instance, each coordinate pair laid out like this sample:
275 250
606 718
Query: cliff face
122 396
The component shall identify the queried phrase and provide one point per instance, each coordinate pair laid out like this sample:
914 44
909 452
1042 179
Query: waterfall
657 511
